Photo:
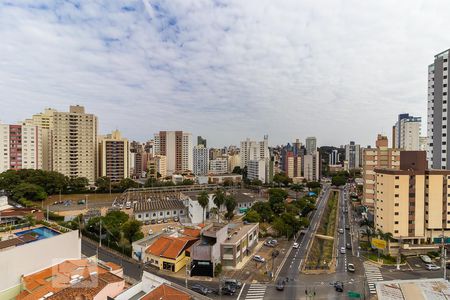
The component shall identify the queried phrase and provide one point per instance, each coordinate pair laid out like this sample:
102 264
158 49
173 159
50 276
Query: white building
352 155
407 133
334 157
218 166
256 169
311 166
178 148
252 150
201 159
20 147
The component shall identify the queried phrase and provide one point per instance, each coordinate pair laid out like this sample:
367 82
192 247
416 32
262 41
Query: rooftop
236 234
170 247
420 289
155 205
166 292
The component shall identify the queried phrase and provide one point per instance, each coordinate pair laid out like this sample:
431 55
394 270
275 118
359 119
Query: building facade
256 169
406 133
311 166
114 157
201 160
381 157
178 149
218 166
234 160
334 157
311 145
438 118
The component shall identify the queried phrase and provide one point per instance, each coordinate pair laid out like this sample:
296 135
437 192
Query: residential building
311 145
240 243
10 215
292 164
159 207
256 169
334 158
223 178
201 141
252 150
178 149
19 255
20 147
218 166
411 202
215 153
423 143
137 160
352 154
169 253
157 165
114 157
69 141
234 160
201 160
381 157
74 279
437 114
311 166
406 133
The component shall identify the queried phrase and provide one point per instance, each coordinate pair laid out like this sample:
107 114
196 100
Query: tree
313 185
187 182
29 191
103 184
203 200
228 182
78 184
218 270
256 182
113 221
219 200
230 204
127 183
264 211
30 220
297 188
237 170
368 233
252 216
338 180
282 178
280 226
132 230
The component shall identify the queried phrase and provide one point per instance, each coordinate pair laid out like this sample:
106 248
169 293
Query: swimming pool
40 232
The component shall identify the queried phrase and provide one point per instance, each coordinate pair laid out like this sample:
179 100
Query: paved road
293 263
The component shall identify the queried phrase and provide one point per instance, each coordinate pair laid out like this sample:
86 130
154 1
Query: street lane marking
242 288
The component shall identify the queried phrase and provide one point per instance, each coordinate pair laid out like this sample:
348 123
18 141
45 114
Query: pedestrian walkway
256 292
373 275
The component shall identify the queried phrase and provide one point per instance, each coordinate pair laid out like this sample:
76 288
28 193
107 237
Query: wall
35 256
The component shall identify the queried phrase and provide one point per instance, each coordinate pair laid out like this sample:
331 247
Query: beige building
311 166
157 164
177 147
412 202
379 157
69 141
114 157
234 160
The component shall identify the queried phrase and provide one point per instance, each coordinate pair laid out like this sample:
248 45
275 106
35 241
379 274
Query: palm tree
30 220
219 200
230 204
203 200
297 188
367 232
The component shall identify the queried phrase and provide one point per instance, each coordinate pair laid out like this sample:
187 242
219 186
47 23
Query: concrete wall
35 256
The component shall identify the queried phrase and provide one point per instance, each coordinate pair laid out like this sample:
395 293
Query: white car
259 258
432 267
426 259
342 250
150 232
296 245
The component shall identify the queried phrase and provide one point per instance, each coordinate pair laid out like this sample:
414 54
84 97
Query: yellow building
114 156
412 202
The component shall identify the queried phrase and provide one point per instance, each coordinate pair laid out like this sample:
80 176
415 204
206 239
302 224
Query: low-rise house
169 253
13 215
240 242
159 209
245 200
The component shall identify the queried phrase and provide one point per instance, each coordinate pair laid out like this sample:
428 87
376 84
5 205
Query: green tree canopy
127 183
338 180
203 200
29 191
264 211
230 204
132 230
313 185
252 216
282 178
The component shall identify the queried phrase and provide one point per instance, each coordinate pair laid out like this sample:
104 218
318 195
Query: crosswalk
373 274
256 292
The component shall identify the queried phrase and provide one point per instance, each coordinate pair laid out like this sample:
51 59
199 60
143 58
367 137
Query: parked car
342 250
351 267
426 259
150 232
153 221
280 285
339 286
270 243
146 222
159 221
259 258
347 227
348 246
228 290
199 289
295 246
432 267
233 283
340 230
176 219
165 221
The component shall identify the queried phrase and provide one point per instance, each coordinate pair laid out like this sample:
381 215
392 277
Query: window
397 204
397 177
397 186
396 213
396 195
396 222
160 213
395 231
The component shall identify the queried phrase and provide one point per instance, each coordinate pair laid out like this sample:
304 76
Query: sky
225 70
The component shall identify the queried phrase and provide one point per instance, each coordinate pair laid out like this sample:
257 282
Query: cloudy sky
338 70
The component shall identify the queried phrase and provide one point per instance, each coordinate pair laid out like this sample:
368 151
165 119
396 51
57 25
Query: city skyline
252 68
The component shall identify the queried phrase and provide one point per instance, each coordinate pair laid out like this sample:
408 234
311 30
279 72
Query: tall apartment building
438 112
234 160
412 202
379 157
114 156
157 164
137 160
20 147
215 153
256 169
252 150
292 164
311 166
334 157
177 147
352 155
201 160
406 133
218 166
69 141
201 141
311 145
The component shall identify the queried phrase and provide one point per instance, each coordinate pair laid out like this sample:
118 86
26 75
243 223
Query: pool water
40 232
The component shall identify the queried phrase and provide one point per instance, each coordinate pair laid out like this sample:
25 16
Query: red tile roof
166 292
191 232
170 247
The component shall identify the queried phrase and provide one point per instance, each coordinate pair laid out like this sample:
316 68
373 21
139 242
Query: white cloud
225 70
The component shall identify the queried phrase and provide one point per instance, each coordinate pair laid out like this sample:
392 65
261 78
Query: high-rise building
20 147
69 141
412 201
178 149
352 155
423 143
311 145
256 151
379 157
218 166
234 160
406 133
438 112
201 141
215 153
256 169
157 166
137 160
334 157
311 166
293 165
201 160
114 157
